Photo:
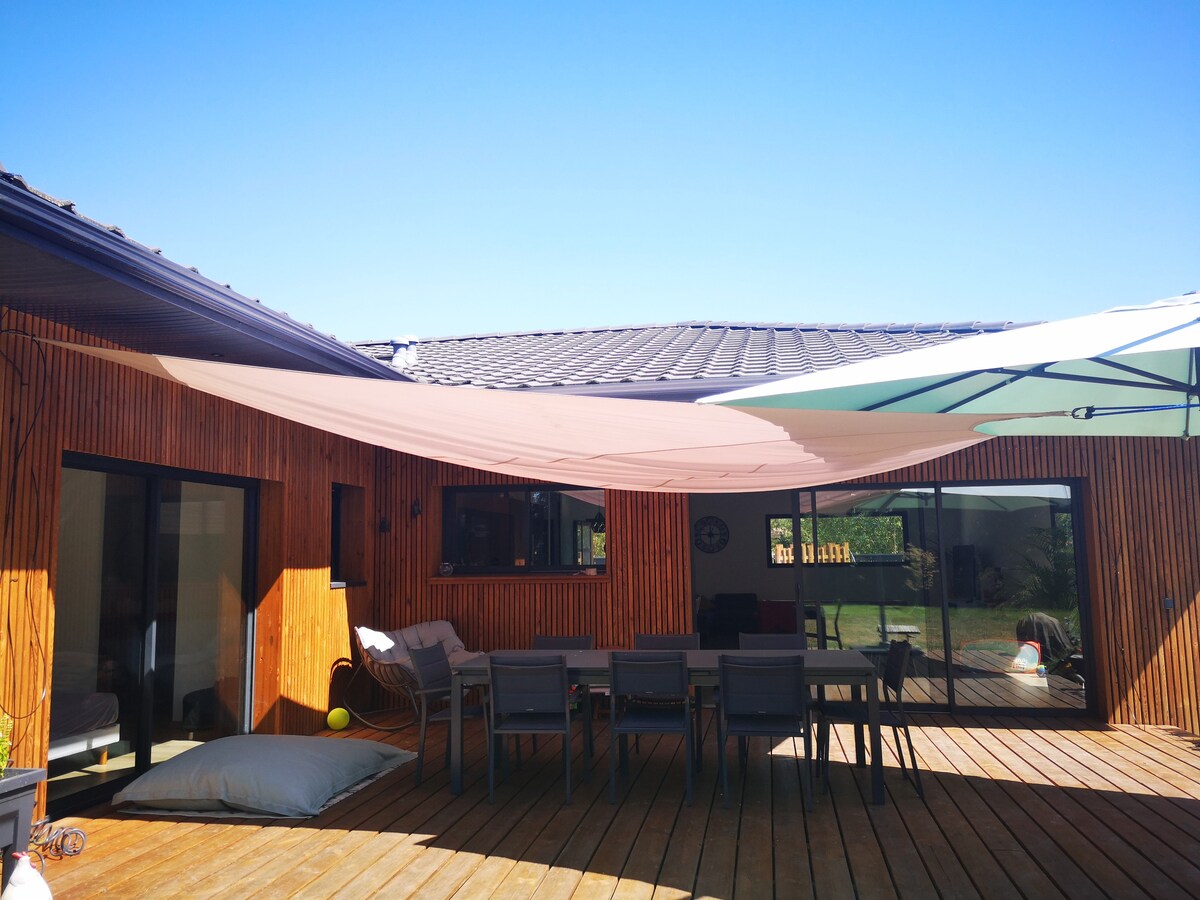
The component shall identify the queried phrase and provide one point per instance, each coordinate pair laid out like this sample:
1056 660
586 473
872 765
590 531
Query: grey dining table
590 667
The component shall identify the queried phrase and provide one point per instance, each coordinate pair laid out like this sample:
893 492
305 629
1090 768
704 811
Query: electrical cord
48 842
22 433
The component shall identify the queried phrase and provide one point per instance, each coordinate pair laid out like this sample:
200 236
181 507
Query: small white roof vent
404 352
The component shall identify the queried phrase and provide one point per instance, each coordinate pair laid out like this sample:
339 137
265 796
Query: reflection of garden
858 624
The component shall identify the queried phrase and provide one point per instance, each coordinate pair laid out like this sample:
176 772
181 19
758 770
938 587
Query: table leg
456 733
876 740
697 730
860 746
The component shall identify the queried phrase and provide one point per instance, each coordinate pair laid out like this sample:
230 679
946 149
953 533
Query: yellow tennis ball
338 718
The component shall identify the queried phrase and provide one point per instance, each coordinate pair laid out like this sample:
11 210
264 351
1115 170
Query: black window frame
859 560
451 540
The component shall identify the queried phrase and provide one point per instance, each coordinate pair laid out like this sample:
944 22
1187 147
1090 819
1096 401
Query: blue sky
381 169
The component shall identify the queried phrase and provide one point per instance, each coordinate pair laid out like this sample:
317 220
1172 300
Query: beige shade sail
637 445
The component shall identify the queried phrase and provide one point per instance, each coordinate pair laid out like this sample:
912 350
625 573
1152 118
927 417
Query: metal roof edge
33 218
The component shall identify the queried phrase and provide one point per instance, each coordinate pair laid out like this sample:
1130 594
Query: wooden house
178 567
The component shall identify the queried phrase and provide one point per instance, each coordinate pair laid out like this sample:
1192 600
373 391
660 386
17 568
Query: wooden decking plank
174 879
681 860
1069 857
106 853
868 865
1074 793
1164 852
911 869
513 845
643 868
958 862
1038 808
291 851
1137 792
396 834
440 871
563 874
754 869
967 786
540 773
1146 757
1173 747
531 866
287 867
1183 746
789 835
615 855
921 859
450 875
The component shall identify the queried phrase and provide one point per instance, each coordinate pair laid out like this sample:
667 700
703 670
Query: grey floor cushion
261 774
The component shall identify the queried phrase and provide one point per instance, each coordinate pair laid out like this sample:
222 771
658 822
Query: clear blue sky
380 169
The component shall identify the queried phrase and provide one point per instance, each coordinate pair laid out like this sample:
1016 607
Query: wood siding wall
647 588
1141 506
1140 502
99 408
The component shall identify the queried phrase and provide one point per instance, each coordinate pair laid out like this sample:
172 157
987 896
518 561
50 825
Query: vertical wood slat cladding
98 408
1141 503
647 588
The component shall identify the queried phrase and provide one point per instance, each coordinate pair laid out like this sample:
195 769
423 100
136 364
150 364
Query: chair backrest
772 642
755 685
666 641
648 674
393 646
431 667
896 667
564 642
536 684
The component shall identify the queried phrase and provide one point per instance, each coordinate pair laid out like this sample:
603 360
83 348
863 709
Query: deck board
1035 808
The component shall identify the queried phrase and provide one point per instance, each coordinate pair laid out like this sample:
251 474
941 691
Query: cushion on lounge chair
393 646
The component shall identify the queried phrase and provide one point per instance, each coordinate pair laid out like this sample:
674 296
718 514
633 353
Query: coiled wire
48 842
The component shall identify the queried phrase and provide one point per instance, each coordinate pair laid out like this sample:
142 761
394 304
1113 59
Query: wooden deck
1014 808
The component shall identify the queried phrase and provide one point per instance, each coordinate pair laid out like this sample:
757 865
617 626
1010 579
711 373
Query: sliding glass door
151 621
981 579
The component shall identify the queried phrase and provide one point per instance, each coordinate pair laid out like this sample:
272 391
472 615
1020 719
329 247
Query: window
870 538
524 528
347 559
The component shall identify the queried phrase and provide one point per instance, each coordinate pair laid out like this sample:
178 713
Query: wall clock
710 534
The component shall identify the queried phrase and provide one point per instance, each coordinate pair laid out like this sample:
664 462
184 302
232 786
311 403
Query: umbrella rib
1040 372
1092 379
919 391
1162 380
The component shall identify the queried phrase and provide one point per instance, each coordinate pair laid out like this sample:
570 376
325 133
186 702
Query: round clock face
710 534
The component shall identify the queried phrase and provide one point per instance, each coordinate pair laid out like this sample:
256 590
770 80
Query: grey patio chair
563 642
580 692
638 677
772 642
529 695
763 697
431 668
891 714
684 641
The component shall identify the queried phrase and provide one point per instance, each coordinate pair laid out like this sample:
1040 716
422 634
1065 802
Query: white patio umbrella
1126 371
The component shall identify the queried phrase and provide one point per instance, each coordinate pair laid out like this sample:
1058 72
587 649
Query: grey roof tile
660 353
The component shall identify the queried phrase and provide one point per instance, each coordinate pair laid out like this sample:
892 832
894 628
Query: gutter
104 250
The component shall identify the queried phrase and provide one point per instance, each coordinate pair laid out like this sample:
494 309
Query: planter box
18 791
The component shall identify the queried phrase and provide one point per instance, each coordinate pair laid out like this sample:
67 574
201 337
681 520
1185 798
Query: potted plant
5 741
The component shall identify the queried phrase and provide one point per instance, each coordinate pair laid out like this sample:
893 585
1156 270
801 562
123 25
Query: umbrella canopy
1126 371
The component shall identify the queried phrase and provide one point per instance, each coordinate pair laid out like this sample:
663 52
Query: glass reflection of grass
859 624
